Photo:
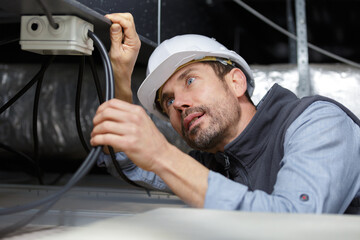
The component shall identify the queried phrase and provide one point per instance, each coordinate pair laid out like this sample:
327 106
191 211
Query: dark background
332 25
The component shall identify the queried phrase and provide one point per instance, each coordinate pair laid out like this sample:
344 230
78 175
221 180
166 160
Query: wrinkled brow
182 76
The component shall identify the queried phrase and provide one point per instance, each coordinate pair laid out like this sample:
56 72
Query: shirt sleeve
320 170
133 172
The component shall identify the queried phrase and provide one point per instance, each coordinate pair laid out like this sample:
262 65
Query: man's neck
247 113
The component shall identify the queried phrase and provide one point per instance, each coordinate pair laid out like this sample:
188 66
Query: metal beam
304 87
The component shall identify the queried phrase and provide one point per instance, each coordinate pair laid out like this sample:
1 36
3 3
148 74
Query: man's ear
238 81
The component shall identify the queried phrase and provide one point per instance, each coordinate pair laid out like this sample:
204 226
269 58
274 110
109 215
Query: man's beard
221 116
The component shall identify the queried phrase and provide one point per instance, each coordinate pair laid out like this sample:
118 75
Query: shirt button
304 197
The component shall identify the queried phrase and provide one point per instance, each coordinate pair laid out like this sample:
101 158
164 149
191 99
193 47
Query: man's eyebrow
185 74
181 77
164 96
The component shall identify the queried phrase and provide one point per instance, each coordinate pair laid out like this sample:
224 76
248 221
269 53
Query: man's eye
190 80
169 102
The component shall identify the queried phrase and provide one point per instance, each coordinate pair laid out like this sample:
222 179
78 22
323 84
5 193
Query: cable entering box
69 38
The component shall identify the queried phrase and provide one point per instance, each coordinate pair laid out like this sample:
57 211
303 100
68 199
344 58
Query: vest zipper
243 171
246 178
227 165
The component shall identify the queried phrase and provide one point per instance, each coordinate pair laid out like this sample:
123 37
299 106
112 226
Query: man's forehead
167 89
183 72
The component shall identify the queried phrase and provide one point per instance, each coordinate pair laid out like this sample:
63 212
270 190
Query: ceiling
332 25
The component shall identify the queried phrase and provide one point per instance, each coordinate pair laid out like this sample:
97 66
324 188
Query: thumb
116 33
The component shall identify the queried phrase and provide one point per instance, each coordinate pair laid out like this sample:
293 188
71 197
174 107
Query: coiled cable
85 167
109 74
96 79
77 105
34 125
38 75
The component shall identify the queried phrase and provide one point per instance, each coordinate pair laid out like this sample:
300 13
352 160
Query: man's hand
127 128
125 46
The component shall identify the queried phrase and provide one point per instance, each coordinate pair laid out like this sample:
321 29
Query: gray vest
253 158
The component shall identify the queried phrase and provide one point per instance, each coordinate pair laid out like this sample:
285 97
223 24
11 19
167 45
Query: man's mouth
192 119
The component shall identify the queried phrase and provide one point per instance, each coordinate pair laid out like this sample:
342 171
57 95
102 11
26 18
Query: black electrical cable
292 36
78 94
35 117
34 124
82 171
44 66
48 14
112 153
75 178
39 75
23 222
96 79
24 156
9 40
121 173
77 104
109 74
109 89
57 179
50 200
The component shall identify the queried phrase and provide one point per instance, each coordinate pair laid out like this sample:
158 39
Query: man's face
201 107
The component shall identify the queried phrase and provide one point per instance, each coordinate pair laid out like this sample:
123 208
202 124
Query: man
284 155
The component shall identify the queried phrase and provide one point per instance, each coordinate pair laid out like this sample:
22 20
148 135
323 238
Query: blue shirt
320 170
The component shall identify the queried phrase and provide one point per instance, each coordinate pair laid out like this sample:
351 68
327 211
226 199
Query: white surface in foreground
175 223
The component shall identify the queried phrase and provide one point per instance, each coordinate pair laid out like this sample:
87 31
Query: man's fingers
116 33
107 140
118 142
112 115
115 104
120 112
126 21
112 127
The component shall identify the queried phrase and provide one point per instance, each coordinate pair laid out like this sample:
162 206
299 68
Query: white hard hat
175 52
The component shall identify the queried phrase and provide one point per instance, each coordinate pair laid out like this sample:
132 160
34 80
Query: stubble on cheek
203 138
219 121
184 132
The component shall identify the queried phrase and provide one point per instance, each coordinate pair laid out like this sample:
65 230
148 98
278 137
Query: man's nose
181 103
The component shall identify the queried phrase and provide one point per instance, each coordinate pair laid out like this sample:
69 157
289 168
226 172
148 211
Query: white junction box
69 38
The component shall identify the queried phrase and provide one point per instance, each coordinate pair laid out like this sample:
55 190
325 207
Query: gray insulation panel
56 119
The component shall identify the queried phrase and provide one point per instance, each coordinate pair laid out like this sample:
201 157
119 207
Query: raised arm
127 127
125 46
